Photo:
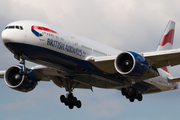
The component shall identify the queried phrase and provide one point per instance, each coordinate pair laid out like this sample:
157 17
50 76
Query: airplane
72 61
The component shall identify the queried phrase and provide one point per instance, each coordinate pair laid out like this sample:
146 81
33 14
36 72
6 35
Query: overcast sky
135 25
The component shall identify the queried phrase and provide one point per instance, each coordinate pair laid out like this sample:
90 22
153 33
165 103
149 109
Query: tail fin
166 42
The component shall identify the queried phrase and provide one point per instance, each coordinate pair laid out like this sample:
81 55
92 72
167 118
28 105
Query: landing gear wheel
140 97
62 98
127 96
123 91
66 103
71 106
78 105
75 100
131 99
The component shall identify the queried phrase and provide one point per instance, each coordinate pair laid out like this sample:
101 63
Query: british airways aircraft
72 61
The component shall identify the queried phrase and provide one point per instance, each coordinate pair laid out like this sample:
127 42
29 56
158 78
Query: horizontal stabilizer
174 80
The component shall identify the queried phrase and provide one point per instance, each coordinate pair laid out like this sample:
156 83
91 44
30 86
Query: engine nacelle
15 80
131 64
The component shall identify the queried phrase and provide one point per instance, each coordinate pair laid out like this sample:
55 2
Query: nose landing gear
23 71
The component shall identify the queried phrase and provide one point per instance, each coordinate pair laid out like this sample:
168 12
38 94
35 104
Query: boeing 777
72 61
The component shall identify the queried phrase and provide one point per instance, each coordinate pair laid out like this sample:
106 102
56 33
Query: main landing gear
131 94
70 101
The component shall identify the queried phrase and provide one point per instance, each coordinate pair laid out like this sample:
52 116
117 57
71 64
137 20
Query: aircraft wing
2 74
44 73
105 63
156 59
57 76
164 58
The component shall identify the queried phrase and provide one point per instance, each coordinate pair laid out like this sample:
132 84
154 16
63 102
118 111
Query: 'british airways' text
62 46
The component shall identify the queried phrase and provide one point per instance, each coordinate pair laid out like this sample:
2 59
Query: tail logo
165 69
168 38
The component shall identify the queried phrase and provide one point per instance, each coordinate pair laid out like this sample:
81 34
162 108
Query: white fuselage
68 45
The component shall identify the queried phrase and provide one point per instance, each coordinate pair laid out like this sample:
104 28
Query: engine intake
131 64
16 80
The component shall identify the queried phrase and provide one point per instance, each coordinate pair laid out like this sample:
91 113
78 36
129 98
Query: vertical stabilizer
166 42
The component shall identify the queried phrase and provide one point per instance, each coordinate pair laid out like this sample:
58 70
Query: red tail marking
165 69
168 38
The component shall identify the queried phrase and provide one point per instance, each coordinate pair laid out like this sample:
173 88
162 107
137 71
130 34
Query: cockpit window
21 27
14 27
17 27
11 27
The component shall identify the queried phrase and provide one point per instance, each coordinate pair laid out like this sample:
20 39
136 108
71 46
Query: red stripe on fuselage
168 38
43 28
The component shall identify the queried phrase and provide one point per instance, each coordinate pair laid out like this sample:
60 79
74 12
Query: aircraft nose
6 36
3 35
11 36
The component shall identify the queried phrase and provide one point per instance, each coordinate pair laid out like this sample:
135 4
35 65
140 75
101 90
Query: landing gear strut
131 94
23 71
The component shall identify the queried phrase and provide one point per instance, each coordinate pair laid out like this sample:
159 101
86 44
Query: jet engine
14 79
131 64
